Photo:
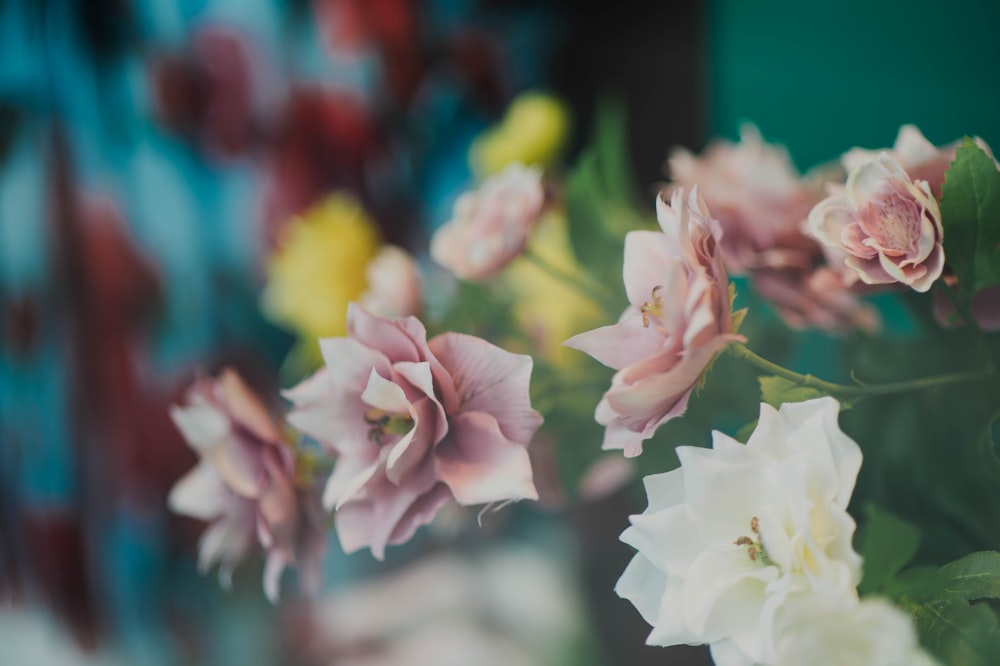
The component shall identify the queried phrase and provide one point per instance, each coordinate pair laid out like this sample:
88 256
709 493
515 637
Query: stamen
755 547
655 308
385 423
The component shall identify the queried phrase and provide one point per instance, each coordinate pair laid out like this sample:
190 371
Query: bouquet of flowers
803 367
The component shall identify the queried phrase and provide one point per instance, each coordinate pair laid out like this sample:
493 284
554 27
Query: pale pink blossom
414 425
761 203
677 321
815 298
491 225
244 485
888 225
758 197
920 158
393 284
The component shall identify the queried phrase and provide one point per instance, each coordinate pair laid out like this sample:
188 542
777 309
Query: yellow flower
320 267
547 308
533 132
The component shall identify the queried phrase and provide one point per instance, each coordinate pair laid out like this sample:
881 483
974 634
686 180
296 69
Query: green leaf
776 390
743 434
611 141
600 199
959 633
887 544
976 576
970 214
917 584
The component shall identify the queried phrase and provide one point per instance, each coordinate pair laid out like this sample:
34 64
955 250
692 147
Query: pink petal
869 181
274 566
655 397
412 450
332 415
228 539
490 380
349 362
648 255
420 513
349 476
616 435
400 340
371 522
278 506
620 344
385 395
480 465
416 379
202 425
246 407
200 494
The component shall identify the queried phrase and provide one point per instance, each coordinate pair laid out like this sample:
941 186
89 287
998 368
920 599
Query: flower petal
480 465
200 493
490 380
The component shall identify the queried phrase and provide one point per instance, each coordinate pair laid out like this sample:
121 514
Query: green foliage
970 212
975 576
887 545
600 200
776 390
954 623
959 633
941 600
566 397
480 310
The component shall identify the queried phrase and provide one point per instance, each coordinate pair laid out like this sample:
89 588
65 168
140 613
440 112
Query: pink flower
393 284
817 298
888 225
244 484
920 158
414 425
761 203
758 197
491 225
678 320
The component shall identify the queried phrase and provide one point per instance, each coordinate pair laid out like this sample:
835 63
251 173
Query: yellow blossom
547 308
532 132
320 267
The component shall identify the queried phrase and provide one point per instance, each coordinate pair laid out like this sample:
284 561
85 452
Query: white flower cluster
747 547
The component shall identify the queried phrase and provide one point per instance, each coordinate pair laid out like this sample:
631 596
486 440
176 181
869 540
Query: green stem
593 291
854 391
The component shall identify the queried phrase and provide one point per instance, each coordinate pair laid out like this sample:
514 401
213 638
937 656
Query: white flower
738 530
870 633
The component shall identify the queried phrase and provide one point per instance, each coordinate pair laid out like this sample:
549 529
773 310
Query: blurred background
152 154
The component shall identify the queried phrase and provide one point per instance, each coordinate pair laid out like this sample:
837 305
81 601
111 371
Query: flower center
654 307
754 545
896 225
385 423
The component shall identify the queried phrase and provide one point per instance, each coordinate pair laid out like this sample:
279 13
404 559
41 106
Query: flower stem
858 390
593 291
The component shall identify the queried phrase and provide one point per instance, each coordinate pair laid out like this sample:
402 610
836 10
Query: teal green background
821 77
